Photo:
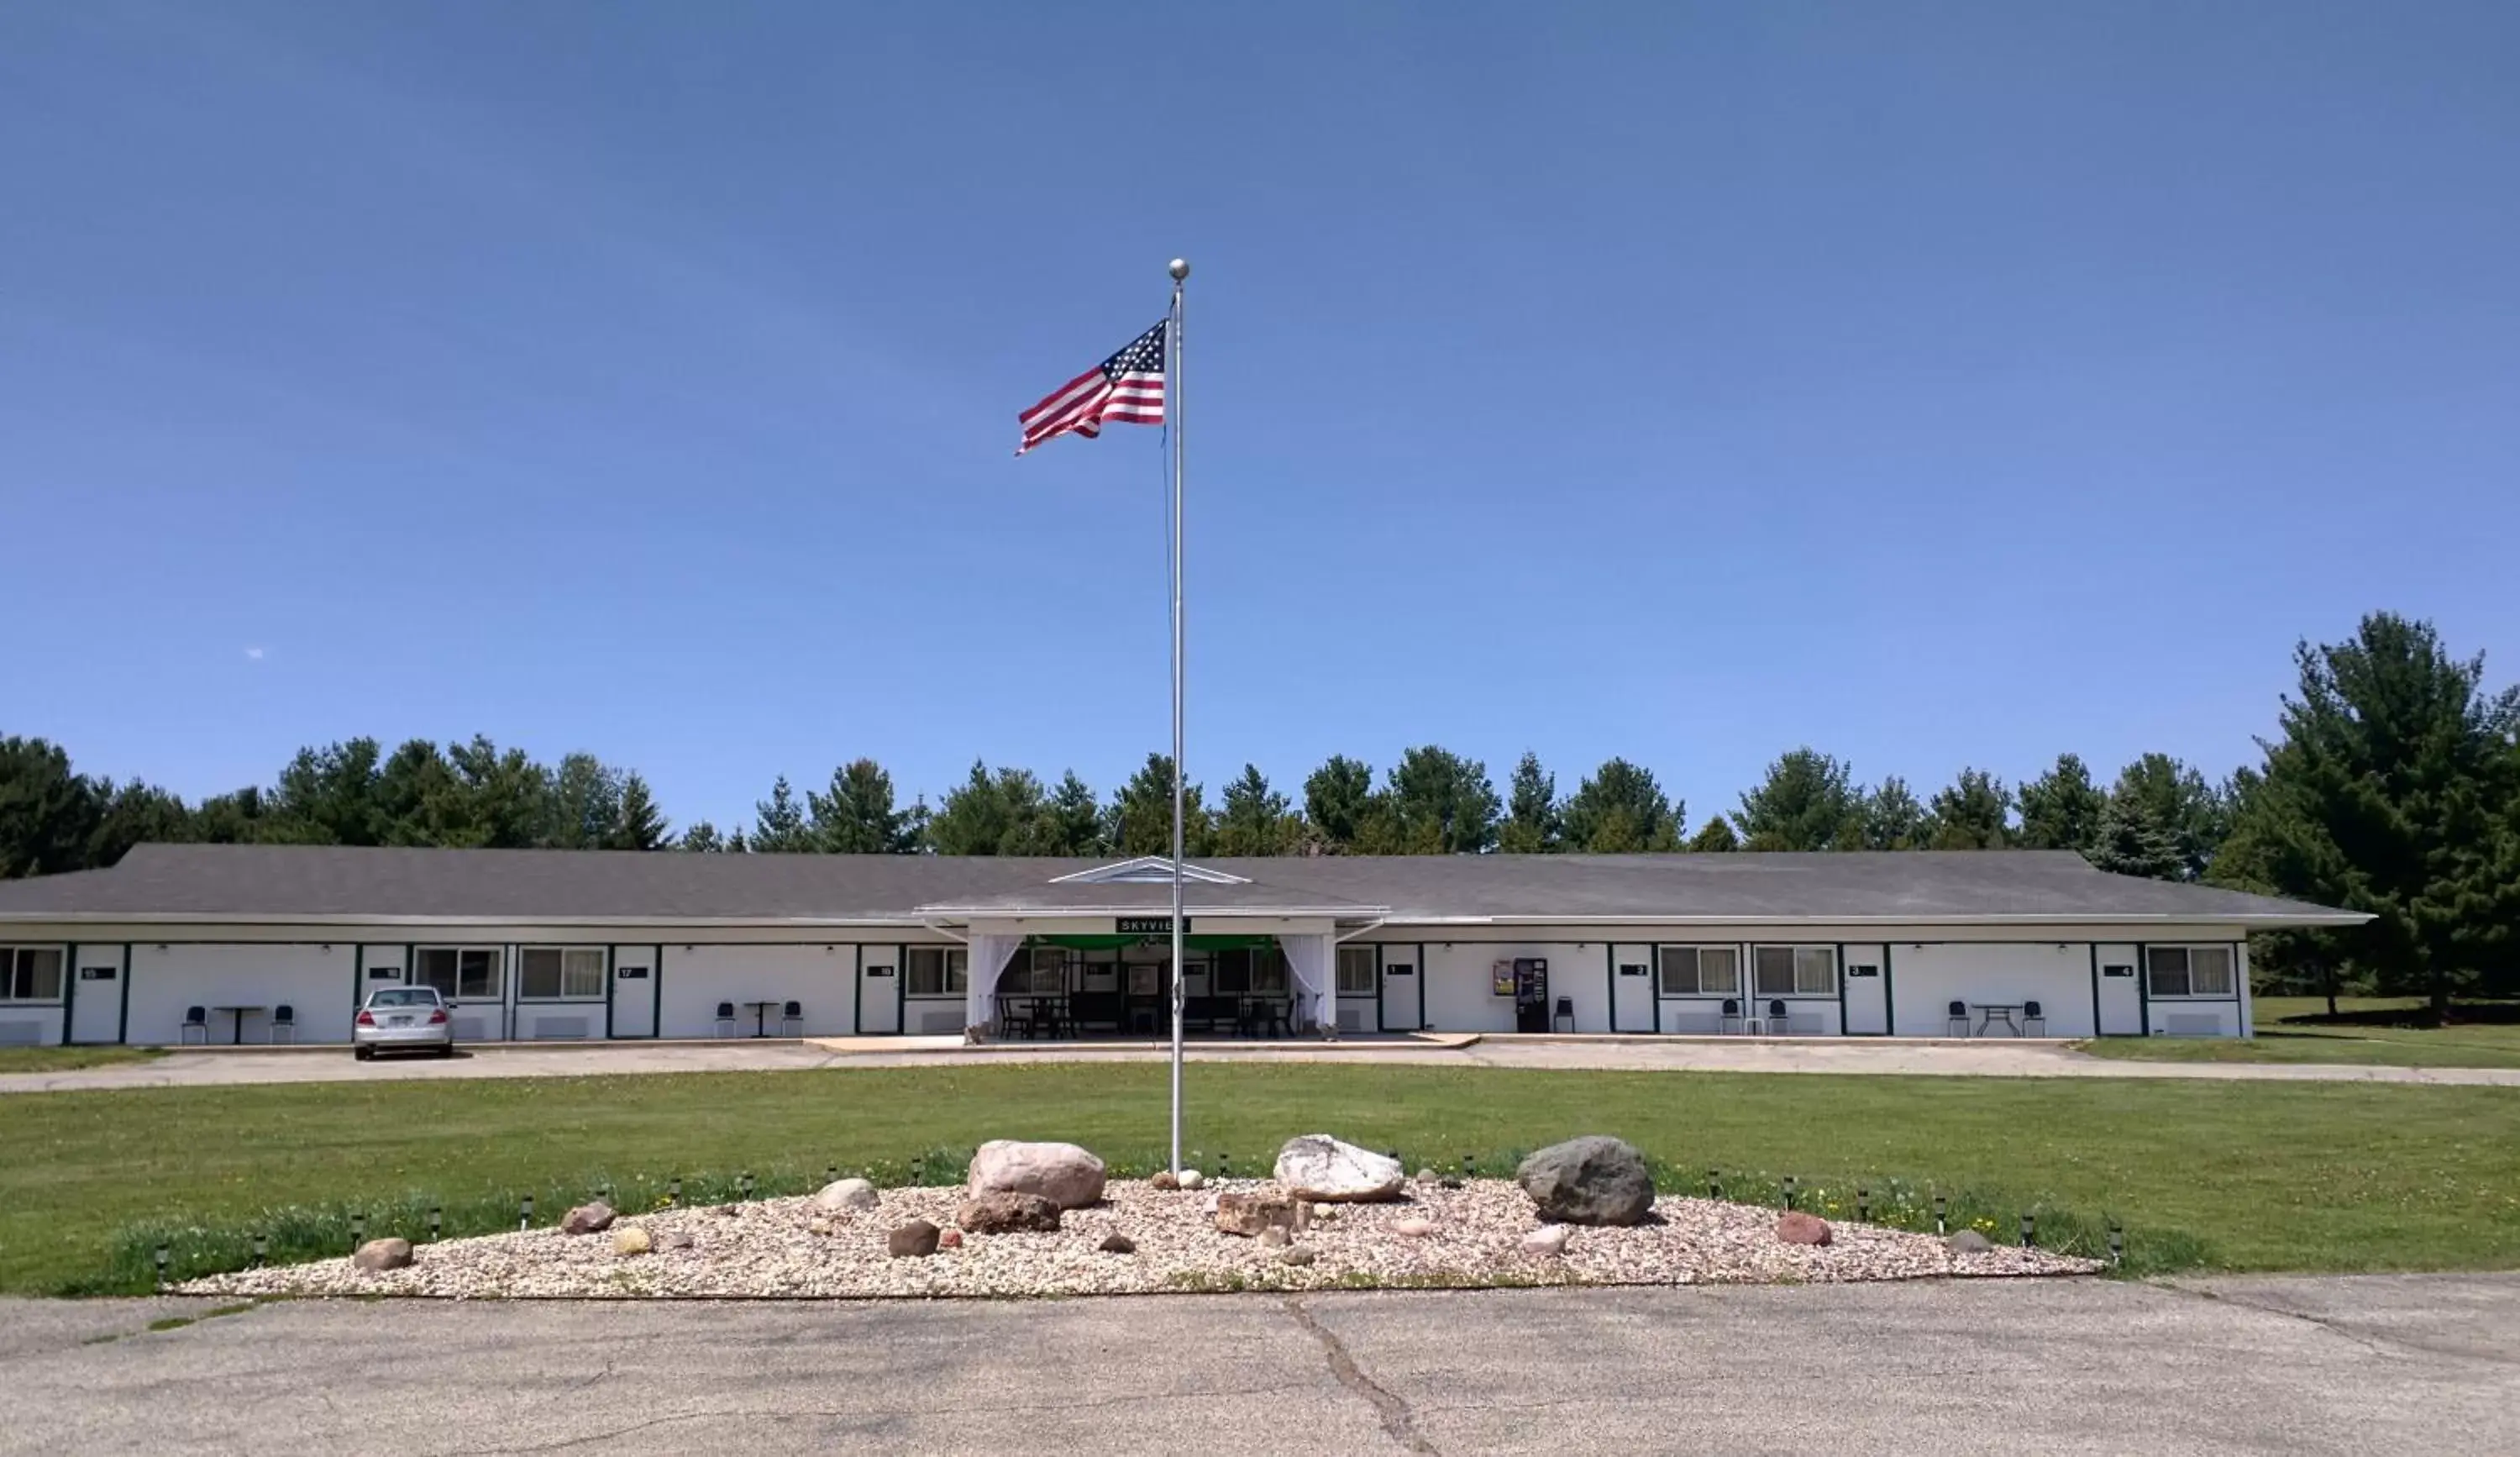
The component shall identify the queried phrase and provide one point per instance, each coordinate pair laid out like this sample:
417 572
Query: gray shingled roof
331 882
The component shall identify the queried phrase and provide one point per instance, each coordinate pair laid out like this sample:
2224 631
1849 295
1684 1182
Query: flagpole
1179 270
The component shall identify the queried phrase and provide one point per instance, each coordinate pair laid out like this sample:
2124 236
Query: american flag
1127 387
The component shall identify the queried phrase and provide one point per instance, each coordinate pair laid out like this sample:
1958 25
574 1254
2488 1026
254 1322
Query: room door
1867 999
1399 971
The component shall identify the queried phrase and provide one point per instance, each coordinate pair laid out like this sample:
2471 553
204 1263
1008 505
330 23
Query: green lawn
2296 1029
58 1059
2234 1175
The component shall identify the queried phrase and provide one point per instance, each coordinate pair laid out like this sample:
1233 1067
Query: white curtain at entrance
989 957
1310 958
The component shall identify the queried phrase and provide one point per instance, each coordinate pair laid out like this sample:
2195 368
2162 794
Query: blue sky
1936 385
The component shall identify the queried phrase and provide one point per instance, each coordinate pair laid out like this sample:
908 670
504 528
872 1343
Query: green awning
1192 941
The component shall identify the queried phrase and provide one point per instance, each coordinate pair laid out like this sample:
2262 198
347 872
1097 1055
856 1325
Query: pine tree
1140 819
2060 809
1715 836
1338 803
1442 803
1806 803
643 825
1892 819
1974 814
779 824
2130 840
702 838
48 814
1532 823
1255 819
1621 811
857 817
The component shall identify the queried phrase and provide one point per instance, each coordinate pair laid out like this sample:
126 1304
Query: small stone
1117 1244
1298 1255
1968 1241
1414 1228
1325 1212
1275 1236
1425 1176
1548 1240
725 1211
678 1241
1007 1211
1249 1214
818 1226
587 1219
951 1239
630 1239
846 1194
911 1241
1795 1227
1191 1178
1448 1182
1164 1180
383 1255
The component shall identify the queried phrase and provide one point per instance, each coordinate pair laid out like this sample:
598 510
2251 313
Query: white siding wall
166 979
1927 979
697 978
1459 996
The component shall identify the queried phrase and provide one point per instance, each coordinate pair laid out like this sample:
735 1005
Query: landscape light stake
261 1248
525 1213
1862 1204
1224 1164
436 1220
743 1183
1942 1206
674 1190
358 1230
161 1266
2117 1245
2029 1231
919 1172
831 1173
1715 1183
1469 1166
1789 1191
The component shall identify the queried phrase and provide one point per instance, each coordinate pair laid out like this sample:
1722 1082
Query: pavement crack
1396 1417
2381 1345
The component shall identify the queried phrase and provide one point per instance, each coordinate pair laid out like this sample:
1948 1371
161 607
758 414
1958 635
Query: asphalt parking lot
2373 1364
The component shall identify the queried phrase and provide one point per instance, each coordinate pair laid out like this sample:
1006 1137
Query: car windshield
405 996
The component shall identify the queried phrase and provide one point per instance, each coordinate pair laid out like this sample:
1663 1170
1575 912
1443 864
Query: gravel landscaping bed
772 1248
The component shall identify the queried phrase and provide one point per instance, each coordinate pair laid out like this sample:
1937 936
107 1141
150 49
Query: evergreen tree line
2393 787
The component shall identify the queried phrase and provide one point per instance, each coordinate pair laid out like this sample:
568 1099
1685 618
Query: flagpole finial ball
1180 269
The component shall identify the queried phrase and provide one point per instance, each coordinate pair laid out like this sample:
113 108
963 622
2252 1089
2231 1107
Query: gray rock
1320 1167
911 1241
1547 1240
846 1194
1297 1255
1117 1244
1591 1180
1190 1178
1276 1237
383 1255
1968 1241
678 1241
587 1219
1061 1172
1007 1211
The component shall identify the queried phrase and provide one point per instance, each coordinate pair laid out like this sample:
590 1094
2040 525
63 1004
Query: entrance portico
1069 973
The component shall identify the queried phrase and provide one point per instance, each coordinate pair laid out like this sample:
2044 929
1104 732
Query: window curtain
1310 958
989 957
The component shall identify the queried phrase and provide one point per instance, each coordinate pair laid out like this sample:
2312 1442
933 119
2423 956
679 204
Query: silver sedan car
397 1018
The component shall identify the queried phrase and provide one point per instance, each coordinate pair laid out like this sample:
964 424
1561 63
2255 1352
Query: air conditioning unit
2192 1024
20 1034
1351 1019
564 1026
934 1022
469 1029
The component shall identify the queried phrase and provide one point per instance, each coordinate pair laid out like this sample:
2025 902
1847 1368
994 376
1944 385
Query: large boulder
1005 1212
912 1241
1591 1180
1795 1227
846 1194
1318 1167
588 1220
1061 1172
383 1255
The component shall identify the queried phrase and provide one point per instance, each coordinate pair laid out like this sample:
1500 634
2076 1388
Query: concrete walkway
222 1066
2333 1367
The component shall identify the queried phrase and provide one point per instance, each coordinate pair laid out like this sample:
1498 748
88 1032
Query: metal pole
1180 271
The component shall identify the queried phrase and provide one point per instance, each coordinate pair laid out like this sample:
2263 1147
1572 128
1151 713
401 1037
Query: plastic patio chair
2033 1020
791 1020
1959 1026
284 1025
726 1019
1564 1013
1777 1026
1732 1021
197 1026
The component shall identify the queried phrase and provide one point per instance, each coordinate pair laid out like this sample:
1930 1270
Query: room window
553 973
30 973
1048 969
460 973
1229 974
1269 972
1356 971
1700 971
1795 971
936 971
2188 971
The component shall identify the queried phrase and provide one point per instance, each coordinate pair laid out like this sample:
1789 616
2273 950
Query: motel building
253 944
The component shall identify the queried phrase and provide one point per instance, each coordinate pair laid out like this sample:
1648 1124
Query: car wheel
447 1049
363 1054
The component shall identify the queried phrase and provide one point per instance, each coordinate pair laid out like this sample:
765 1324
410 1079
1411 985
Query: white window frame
1813 972
1667 959
946 973
1363 959
1046 971
457 994
594 990
2187 952
15 960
